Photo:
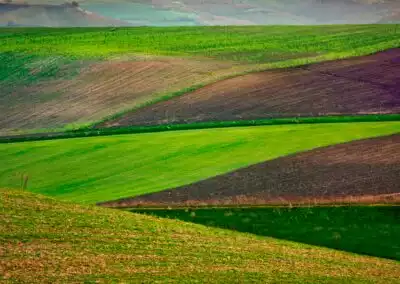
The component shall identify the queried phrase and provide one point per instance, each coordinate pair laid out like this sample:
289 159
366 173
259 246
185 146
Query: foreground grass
89 170
373 230
46 241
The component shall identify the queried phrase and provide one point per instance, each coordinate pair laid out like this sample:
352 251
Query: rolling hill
284 12
338 173
244 12
44 240
96 169
200 13
230 117
361 85
55 78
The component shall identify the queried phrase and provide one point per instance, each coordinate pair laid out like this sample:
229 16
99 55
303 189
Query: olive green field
46 240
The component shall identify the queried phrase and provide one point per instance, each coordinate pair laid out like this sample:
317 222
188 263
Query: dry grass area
102 89
364 171
363 85
47 241
257 201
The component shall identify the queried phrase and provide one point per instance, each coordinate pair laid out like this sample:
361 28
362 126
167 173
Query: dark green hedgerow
89 132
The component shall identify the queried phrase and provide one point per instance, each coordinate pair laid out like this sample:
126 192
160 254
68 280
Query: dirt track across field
360 171
361 85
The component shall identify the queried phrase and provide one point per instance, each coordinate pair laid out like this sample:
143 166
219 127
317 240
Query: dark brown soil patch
361 170
362 85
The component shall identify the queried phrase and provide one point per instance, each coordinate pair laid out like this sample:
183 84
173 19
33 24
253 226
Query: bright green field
258 44
25 49
95 169
47 241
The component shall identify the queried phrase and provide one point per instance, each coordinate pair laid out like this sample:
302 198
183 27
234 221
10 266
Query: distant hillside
222 12
65 15
286 11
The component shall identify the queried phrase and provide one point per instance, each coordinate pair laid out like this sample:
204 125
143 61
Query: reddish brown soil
360 171
101 89
363 85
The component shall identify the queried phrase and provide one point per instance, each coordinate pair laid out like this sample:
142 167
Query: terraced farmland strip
200 56
89 170
90 131
362 85
101 89
257 44
361 171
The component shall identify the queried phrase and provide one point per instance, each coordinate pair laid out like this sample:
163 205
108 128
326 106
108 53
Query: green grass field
25 49
259 44
44 240
88 170
89 131
372 230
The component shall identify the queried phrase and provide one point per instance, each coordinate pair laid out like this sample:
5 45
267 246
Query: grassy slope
365 171
256 44
43 240
370 230
97 169
257 48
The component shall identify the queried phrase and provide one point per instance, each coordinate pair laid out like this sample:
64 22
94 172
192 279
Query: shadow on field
373 231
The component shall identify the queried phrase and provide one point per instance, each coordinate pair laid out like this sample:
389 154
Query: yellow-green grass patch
47 241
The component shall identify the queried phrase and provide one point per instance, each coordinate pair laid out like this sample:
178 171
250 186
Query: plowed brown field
101 89
360 171
363 85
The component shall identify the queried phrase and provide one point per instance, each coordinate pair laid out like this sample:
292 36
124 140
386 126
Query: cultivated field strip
102 89
85 86
362 229
104 168
361 171
364 85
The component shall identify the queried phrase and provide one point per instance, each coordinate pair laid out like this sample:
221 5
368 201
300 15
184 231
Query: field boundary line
80 133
